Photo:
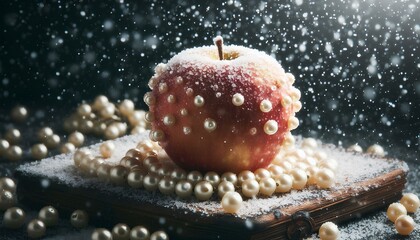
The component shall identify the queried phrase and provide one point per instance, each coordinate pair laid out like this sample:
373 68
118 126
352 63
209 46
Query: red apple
215 109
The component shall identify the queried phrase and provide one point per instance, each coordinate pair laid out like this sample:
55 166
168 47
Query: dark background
357 62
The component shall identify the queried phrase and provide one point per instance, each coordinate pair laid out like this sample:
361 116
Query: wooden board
288 216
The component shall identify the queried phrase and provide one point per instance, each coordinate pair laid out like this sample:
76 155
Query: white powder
352 168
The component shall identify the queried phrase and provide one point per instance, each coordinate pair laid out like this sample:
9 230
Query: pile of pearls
147 167
122 231
397 213
106 119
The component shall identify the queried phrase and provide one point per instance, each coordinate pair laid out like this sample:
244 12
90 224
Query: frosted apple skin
239 141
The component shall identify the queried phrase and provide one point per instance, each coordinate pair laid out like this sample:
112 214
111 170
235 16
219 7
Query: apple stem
219 43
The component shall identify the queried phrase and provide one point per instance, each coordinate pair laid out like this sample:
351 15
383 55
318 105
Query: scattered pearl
135 178
67 148
404 225
311 172
121 231
36 229
7 184
4 145
395 210
238 99
284 183
163 88
101 234
77 138
225 187
166 186
14 153
194 177
14 218
159 235
106 149
210 125
100 102
49 216
325 178
267 186
266 106
230 177
151 182
377 150
410 201
149 99
270 127
52 141
199 101
299 178
84 110
183 189
13 135
126 107
203 190
245 175
292 123
79 219
328 231
213 178
169 120
39 151
118 174
139 233
286 101
19 113
250 188
355 148
231 202
309 143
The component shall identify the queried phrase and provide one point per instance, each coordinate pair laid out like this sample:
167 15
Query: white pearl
325 178
194 176
14 218
299 178
309 143
126 107
49 215
106 149
203 190
166 186
284 183
199 101
149 99
151 182
295 94
230 177
231 202
404 225
266 106
275 170
139 233
84 110
159 235
355 148
267 186
52 141
395 210
245 175
168 120
39 151
311 172
213 178
290 78
328 231
67 148
107 111
79 219
286 101
7 184
238 99
210 125
261 173
77 138
250 188
410 201
297 106
135 178
100 102
377 150
289 140
121 231
183 189
36 229
292 123
225 187
270 127
163 88
101 234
